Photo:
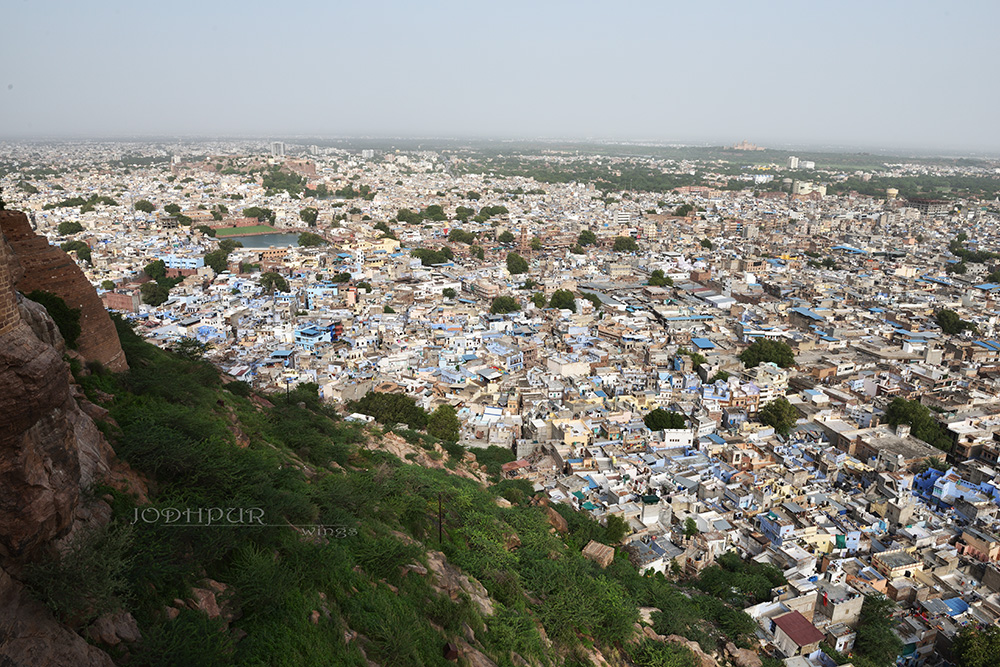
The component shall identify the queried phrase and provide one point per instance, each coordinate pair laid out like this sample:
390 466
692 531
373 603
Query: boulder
556 520
743 657
30 635
203 599
112 629
704 659
451 581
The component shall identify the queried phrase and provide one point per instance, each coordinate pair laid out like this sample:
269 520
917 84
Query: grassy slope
304 467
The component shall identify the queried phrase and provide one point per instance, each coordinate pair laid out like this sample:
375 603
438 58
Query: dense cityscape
794 358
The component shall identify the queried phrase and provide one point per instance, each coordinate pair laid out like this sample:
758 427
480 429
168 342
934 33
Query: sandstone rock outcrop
451 581
31 636
48 268
50 448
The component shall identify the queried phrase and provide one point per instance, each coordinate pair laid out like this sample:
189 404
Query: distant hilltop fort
747 146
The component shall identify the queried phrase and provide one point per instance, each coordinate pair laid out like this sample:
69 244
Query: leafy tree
625 244
81 249
271 281
67 319
922 424
366 286
487 212
435 212
216 260
449 293
388 310
935 462
976 647
615 529
276 179
107 284
516 264
472 194
258 212
408 216
657 279
536 243
563 299
690 527
464 212
430 257
538 299
309 215
310 240
587 237
762 350
461 236
705 243
172 209
721 375
504 304
342 277
191 349
206 230
951 323
153 293
478 253
683 210
660 419
444 424
505 237
390 409
780 414
68 228
157 269
876 644
578 250
594 299
144 205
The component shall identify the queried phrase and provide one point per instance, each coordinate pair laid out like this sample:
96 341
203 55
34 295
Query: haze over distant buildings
913 75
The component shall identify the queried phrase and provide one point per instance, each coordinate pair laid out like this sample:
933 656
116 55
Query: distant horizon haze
888 76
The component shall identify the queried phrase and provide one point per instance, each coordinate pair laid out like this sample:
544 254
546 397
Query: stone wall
46 267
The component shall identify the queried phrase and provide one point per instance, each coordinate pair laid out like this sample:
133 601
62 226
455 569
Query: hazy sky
878 73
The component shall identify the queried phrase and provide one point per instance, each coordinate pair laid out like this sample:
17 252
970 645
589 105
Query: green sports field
240 231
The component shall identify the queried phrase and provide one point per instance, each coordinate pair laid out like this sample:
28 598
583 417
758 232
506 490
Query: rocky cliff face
50 447
46 267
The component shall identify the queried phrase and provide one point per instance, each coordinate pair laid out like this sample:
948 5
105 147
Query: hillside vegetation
375 584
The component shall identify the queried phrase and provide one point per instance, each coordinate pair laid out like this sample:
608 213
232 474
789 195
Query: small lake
267 240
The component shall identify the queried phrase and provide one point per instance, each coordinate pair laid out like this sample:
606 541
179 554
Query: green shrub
87 580
67 319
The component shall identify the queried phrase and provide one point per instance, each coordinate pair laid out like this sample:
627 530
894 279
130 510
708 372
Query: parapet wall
48 268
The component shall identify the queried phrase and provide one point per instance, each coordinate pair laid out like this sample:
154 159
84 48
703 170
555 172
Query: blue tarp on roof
703 343
805 312
956 606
